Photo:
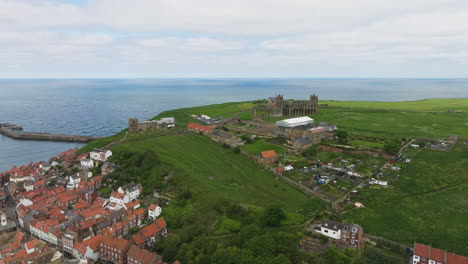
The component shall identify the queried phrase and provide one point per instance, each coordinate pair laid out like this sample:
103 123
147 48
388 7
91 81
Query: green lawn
421 105
428 203
183 115
367 144
395 124
215 172
261 145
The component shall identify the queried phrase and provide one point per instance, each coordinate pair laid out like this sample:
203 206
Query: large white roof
297 121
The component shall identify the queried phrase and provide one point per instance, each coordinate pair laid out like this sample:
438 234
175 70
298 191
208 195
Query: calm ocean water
102 107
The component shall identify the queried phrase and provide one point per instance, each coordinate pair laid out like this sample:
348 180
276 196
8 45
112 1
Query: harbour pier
15 131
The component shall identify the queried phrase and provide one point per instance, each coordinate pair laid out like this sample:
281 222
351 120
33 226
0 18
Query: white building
133 191
28 186
378 182
87 163
295 122
328 229
100 155
170 121
415 146
73 182
154 211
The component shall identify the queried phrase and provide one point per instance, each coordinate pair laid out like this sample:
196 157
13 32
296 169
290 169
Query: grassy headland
426 203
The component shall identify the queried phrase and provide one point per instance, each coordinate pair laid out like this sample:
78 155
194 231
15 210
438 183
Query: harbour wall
44 136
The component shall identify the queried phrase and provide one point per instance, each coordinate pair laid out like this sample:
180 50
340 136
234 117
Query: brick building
114 249
428 255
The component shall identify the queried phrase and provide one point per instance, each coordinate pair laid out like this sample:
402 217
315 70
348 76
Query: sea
101 107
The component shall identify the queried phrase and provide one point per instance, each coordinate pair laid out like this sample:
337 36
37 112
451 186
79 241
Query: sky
241 38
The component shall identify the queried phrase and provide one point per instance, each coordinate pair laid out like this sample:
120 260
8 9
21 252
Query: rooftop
297 121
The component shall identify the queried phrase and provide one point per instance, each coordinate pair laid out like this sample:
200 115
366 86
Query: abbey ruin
135 126
277 107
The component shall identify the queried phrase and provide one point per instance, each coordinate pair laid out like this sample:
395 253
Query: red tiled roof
138 239
117 195
161 223
31 244
140 211
269 154
143 256
115 242
198 127
456 259
149 231
93 242
438 254
152 207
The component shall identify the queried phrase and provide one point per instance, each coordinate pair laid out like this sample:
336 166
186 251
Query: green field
183 115
367 144
421 105
261 145
428 203
395 124
215 172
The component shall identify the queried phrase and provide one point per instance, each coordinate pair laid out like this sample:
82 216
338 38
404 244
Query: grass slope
216 172
421 105
427 204
261 145
395 124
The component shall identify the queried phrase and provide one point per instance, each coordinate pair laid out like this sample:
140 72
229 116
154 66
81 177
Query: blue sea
102 107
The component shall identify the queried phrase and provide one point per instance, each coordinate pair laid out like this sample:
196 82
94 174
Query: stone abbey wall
135 126
278 107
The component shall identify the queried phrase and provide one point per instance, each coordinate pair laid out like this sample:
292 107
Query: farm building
349 235
269 156
427 255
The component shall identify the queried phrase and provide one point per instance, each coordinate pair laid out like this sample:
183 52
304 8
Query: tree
310 152
392 147
232 255
169 247
263 245
248 232
342 136
273 216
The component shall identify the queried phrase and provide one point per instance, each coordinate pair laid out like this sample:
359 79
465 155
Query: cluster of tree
310 152
142 167
393 146
342 136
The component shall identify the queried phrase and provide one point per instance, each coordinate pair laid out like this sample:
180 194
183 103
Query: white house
205 117
415 146
100 155
288 168
328 229
154 211
170 121
73 181
117 200
87 163
28 186
378 182
133 191
45 166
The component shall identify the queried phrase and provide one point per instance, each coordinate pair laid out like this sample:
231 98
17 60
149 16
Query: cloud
241 38
199 44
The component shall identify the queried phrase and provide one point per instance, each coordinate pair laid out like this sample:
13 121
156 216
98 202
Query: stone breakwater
13 132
